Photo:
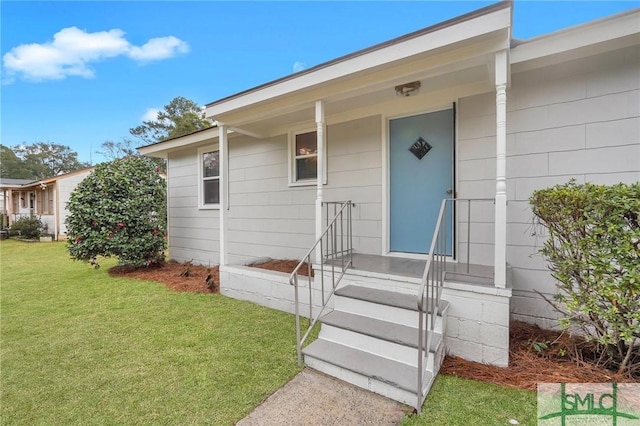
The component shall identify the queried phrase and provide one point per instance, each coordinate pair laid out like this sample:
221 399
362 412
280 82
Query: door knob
449 191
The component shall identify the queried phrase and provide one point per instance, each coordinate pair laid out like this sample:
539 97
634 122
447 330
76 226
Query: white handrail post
500 220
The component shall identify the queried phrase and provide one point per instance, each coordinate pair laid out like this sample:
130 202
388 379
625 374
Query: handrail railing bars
433 280
329 252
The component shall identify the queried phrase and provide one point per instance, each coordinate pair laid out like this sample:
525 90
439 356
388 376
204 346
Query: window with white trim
303 155
209 177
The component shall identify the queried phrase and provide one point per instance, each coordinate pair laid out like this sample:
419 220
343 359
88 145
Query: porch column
56 213
500 255
222 158
320 171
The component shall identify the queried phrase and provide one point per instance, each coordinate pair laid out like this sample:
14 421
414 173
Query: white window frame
293 181
201 178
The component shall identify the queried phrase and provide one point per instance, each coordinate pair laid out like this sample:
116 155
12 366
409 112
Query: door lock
449 191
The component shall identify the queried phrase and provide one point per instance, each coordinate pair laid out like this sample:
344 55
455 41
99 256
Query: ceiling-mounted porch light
408 89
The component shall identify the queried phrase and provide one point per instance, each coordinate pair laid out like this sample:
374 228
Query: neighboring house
457 110
46 198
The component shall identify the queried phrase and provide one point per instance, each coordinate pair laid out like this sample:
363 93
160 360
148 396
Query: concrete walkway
313 398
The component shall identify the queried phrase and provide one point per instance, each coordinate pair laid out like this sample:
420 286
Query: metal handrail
331 245
428 297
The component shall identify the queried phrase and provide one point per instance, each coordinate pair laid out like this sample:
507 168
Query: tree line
41 160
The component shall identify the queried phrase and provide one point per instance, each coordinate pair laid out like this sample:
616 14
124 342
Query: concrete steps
371 341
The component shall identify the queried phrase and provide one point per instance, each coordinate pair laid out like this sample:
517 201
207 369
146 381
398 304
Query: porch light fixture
408 89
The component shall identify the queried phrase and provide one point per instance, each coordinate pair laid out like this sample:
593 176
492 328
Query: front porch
369 333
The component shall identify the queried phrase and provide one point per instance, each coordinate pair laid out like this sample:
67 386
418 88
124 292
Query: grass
80 347
458 401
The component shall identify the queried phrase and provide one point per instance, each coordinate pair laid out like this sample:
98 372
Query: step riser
374 310
364 382
384 348
382 312
381 284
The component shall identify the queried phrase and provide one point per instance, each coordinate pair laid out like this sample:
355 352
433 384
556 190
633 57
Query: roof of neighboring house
25 183
14 182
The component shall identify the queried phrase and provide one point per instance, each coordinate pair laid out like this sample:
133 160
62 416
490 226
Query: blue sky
81 73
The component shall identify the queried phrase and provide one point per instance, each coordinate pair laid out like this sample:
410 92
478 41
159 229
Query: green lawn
80 347
458 401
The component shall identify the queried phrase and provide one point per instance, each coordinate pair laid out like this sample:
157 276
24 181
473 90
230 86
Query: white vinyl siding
578 120
268 218
193 232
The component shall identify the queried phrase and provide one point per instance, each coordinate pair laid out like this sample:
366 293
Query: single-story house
459 111
45 198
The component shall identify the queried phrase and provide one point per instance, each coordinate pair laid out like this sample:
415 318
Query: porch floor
413 268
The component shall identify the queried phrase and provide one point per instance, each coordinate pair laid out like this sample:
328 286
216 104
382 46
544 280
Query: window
303 149
209 182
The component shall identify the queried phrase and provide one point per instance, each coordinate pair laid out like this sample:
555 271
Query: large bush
593 251
119 210
28 227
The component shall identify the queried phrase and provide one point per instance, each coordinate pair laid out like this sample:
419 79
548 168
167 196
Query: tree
112 150
45 159
11 166
119 210
593 251
179 117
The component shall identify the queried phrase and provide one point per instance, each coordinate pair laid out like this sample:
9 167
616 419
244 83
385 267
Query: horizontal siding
267 218
65 187
578 120
194 234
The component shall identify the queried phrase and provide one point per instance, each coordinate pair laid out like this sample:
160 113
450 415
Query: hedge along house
46 199
458 111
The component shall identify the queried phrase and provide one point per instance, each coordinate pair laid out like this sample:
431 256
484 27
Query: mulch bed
284 265
526 366
175 275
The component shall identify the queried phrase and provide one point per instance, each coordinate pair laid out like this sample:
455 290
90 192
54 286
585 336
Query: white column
56 212
222 151
320 171
500 254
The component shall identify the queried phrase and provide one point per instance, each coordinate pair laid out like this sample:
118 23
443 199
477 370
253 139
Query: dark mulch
177 276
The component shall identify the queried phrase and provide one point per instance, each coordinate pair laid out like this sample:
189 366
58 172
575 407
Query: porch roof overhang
449 59
593 38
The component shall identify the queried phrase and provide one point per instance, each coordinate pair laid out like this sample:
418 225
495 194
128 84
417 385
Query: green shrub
593 251
28 227
119 210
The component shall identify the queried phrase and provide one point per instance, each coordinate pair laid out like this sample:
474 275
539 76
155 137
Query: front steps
370 339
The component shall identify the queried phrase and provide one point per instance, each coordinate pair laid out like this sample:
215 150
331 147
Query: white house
45 198
459 110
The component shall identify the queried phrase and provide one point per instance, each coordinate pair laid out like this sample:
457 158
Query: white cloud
158 48
72 50
299 66
151 114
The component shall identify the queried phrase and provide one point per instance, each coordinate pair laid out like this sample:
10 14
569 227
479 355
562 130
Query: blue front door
421 175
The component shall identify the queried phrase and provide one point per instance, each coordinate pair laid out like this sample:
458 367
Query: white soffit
592 38
160 149
460 32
